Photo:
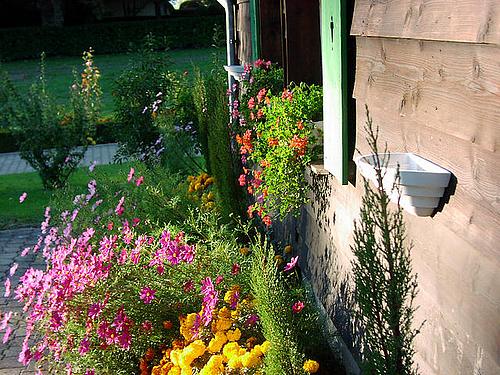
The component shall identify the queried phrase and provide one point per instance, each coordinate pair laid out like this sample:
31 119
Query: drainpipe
230 43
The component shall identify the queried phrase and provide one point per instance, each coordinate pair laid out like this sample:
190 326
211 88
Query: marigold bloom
167 324
311 366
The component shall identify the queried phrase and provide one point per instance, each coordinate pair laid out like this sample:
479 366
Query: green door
333 50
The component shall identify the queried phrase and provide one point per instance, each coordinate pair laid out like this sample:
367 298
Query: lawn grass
59 71
30 212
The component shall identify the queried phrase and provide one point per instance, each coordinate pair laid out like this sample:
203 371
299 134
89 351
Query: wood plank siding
429 71
470 21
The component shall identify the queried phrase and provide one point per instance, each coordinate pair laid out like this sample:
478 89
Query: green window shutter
334 64
255 28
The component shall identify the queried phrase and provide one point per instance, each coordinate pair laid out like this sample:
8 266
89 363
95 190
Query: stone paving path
11 162
12 242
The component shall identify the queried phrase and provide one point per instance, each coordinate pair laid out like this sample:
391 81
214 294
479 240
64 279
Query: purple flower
95 310
147 295
92 166
291 265
22 197
84 346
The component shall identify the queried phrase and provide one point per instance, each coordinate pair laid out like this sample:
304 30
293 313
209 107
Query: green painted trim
345 98
255 28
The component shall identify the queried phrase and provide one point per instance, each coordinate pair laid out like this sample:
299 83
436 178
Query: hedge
105 133
105 38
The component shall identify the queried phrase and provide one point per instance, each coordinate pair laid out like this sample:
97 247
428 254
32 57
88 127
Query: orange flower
300 125
264 163
272 142
266 220
167 324
299 144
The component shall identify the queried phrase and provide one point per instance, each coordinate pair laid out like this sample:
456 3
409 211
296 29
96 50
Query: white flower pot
421 182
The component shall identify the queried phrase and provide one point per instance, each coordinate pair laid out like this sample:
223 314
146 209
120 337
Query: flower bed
141 277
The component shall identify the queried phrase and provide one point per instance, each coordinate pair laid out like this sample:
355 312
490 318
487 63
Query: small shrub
138 92
53 140
385 286
214 137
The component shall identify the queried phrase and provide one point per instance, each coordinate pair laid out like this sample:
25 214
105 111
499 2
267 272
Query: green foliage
385 284
106 37
210 98
292 335
53 140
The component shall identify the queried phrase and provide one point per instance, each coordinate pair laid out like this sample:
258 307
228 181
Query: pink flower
7 288
5 321
251 320
119 207
95 310
219 279
130 174
235 269
139 181
92 166
135 221
22 197
291 265
13 269
147 295
84 346
7 334
297 307
147 325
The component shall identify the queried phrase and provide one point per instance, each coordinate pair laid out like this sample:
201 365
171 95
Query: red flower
235 269
242 180
300 125
297 307
267 220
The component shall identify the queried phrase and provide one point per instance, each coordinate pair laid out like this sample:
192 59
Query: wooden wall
429 71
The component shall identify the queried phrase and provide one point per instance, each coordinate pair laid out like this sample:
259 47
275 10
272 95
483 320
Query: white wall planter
422 183
235 70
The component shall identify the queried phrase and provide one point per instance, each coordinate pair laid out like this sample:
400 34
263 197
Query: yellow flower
231 349
216 344
234 335
311 366
257 350
234 363
288 249
210 196
265 346
250 360
175 371
223 324
245 251
214 366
